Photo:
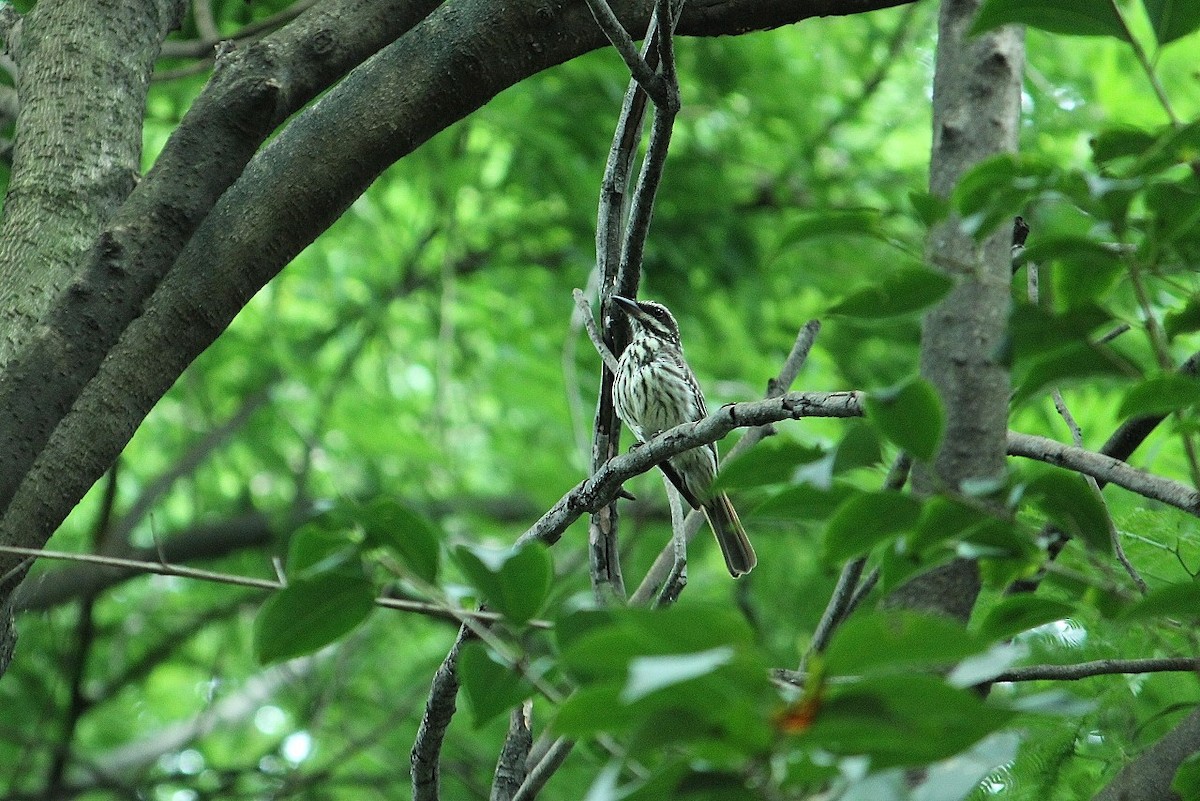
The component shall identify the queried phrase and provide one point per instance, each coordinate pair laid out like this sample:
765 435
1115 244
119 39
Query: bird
654 390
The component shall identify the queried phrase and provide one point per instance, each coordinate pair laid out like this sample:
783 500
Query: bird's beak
630 307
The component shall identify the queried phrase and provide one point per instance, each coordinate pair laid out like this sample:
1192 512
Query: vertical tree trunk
976 112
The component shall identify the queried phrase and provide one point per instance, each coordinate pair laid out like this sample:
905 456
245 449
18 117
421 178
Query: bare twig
1100 667
540 773
165 569
649 81
619 274
198 48
845 594
835 610
677 578
589 325
1107 469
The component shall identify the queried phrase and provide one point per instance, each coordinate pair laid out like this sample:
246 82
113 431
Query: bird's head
653 319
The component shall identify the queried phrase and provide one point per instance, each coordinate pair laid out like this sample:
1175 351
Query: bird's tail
735 546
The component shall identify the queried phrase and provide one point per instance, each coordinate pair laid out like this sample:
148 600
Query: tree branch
603 487
1106 469
660 571
447 66
1100 667
439 709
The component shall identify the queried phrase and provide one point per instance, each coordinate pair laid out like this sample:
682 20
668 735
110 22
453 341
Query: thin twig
165 569
540 773
1140 53
862 592
589 325
650 82
1107 469
845 594
1100 667
835 610
677 578
196 48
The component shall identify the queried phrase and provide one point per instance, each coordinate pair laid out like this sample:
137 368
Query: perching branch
603 487
658 573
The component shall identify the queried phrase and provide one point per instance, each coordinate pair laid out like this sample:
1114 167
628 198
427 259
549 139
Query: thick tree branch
82 85
252 90
455 60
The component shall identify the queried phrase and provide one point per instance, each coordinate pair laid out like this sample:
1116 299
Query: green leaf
902 291
867 519
491 686
1175 206
959 776
1072 505
972 533
1072 17
772 462
1172 19
410 535
909 415
898 640
321 546
1121 142
309 614
910 719
513 581
859 447
986 666
1053 702
834 222
1160 395
802 502
1185 320
1035 331
1019 613
931 209
595 708
1173 600
1187 778
1057 368
997 189
648 674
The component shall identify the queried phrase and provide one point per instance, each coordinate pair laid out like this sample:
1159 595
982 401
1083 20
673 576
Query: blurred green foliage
413 388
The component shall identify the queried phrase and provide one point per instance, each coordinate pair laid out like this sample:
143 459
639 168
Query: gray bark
976 112
83 72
